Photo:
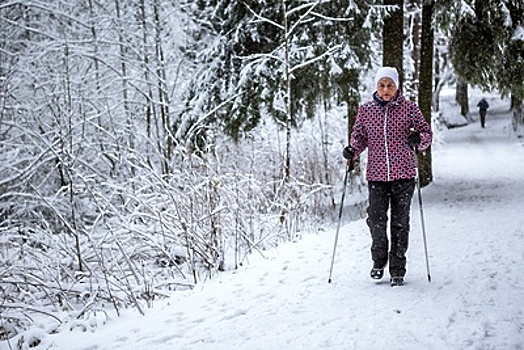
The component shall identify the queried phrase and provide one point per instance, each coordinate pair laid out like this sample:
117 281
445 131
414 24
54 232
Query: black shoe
396 281
377 274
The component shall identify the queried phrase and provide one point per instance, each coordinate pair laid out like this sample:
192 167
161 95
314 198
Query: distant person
483 106
392 129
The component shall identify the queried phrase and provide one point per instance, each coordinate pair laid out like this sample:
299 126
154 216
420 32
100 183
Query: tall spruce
487 47
243 71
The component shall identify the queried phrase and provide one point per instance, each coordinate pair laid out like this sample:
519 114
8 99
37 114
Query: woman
392 129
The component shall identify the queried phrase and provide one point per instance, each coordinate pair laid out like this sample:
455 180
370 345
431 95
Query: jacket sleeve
422 127
359 138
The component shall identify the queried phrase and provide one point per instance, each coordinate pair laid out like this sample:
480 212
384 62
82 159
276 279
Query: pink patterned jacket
384 128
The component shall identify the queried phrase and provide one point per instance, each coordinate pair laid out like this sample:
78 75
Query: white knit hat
387 72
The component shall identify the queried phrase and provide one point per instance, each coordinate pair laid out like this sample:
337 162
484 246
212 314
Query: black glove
348 153
351 164
414 140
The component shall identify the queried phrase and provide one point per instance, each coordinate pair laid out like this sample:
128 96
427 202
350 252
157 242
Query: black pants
482 118
396 196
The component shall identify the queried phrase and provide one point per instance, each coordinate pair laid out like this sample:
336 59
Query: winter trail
475 228
478 192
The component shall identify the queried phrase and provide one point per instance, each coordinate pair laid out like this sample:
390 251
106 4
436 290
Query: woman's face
386 89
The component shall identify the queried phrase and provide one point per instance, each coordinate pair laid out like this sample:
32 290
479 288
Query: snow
474 222
519 34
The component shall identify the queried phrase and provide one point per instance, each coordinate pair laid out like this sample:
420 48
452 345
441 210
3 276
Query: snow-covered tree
280 58
487 46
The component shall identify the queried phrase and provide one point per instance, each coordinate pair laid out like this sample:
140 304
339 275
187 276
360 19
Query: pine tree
243 73
487 47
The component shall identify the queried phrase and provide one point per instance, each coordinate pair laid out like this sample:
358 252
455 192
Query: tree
393 38
462 98
73 105
496 60
280 58
425 95
413 26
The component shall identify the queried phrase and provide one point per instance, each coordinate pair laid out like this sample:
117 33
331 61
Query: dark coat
483 105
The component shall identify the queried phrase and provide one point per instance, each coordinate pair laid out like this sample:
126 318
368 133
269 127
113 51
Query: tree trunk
463 99
163 97
393 38
150 110
287 80
412 84
436 69
426 86
130 132
517 112
352 99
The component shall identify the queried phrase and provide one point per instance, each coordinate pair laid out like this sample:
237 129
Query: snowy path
475 225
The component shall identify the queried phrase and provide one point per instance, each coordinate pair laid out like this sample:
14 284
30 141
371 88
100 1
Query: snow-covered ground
474 215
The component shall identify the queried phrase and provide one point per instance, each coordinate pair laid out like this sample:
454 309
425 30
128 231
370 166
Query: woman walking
391 129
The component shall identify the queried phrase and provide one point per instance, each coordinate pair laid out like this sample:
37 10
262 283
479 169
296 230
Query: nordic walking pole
422 214
348 169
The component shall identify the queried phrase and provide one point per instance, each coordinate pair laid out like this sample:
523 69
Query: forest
147 145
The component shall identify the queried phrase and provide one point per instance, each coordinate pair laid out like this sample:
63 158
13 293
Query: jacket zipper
386 142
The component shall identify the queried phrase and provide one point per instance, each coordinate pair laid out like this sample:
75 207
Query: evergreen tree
243 72
487 46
